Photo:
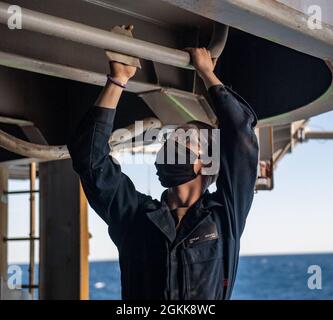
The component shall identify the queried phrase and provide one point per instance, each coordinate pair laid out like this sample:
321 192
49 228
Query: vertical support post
32 233
64 272
84 246
3 223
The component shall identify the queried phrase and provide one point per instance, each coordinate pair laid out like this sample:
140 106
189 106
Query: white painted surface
303 6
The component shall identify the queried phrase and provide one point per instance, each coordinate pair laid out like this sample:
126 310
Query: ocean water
279 277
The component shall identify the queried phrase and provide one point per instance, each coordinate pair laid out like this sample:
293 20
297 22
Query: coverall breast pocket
204 251
203 270
205 243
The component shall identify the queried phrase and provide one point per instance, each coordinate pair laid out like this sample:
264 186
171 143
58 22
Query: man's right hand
202 60
205 65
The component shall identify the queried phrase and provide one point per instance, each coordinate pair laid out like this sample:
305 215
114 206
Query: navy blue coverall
156 262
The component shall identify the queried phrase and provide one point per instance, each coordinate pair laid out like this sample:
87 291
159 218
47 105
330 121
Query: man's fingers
203 49
191 49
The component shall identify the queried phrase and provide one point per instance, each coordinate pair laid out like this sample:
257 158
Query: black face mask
175 174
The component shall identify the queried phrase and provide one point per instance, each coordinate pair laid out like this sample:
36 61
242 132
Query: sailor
185 245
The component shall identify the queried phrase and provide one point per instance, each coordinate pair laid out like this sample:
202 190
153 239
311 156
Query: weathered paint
274 20
304 5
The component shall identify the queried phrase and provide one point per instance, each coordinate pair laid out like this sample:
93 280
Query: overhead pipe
218 40
319 135
69 30
32 150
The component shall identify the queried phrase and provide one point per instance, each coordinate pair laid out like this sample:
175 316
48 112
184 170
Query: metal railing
32 228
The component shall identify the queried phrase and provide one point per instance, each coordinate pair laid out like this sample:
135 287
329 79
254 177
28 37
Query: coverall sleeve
109 191
238 154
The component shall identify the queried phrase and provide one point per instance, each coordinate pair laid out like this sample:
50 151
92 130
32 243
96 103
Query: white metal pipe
319 135
78 32
31 150
50 153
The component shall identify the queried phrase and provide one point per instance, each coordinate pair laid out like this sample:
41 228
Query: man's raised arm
110 192
238 142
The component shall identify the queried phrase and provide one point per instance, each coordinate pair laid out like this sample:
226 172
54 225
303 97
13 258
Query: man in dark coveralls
185 246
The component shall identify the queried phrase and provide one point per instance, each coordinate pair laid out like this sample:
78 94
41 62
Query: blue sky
296 217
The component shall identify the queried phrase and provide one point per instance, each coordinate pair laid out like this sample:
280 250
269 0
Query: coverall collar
163 219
